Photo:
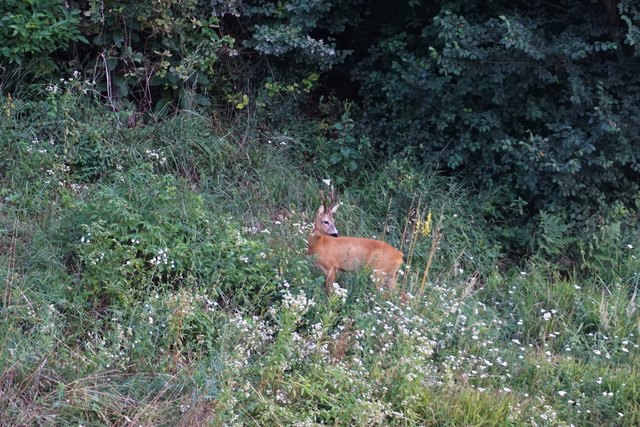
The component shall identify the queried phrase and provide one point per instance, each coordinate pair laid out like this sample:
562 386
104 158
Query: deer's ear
335 208
320 210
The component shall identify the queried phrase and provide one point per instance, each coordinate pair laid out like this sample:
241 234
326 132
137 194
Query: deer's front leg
329 280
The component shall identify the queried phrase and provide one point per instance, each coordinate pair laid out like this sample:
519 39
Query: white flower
562 393
340 292
327 182
299 304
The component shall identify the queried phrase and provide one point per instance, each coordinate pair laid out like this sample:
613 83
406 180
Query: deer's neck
315 240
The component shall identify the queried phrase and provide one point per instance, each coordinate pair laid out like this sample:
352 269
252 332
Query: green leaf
201 99
112 63
162 105
335 158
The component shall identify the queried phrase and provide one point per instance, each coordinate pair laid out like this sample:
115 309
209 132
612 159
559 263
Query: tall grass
158 276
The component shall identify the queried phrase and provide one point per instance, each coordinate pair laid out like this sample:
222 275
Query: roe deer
333 253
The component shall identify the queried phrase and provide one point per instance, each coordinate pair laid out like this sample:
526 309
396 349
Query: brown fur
334 254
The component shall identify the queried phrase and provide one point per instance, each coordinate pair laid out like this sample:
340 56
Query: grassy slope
157 276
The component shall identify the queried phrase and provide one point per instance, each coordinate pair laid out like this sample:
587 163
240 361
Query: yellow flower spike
9 106
425 227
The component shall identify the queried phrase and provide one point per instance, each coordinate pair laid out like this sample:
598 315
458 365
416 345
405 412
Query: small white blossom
340 292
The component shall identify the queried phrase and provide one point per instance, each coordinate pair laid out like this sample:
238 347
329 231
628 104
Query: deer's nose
334 234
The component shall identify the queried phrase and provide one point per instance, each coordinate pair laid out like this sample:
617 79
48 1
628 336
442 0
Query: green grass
235 328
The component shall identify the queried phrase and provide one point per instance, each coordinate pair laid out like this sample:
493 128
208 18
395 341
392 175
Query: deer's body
333 253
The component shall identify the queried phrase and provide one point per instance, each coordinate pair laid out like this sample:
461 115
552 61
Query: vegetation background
161 161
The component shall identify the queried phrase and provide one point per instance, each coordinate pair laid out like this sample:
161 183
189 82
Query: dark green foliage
536 101
36 27
630 15
154 53
290 30
333 146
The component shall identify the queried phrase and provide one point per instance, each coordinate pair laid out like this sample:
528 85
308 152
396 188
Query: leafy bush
36 27
154 57
519 100
286 30
332 145
154 53
148 233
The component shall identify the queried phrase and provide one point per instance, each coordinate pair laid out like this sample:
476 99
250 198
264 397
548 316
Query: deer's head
323 223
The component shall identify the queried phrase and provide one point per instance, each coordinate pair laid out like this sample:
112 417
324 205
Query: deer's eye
326 222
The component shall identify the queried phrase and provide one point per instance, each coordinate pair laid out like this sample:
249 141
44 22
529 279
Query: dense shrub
154 53
39 27
148 233
538 104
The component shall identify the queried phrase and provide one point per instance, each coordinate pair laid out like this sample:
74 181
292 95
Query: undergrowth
158 276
